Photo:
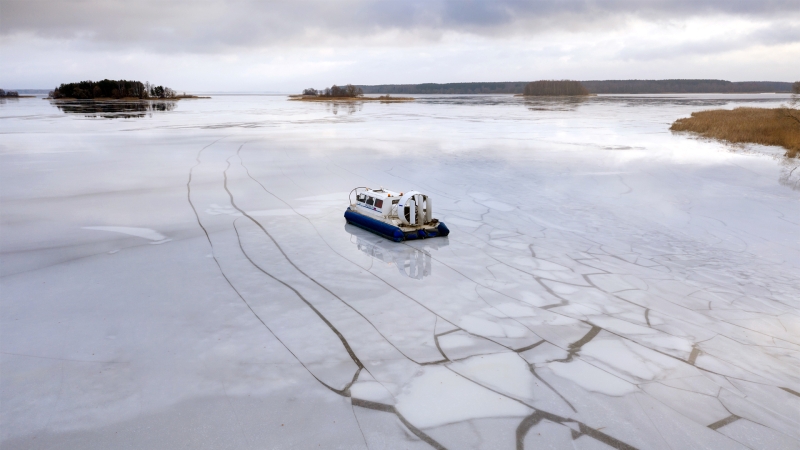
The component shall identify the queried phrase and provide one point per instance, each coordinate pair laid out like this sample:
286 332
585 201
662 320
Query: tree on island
348 91
555 88
4 93
86 90
162 92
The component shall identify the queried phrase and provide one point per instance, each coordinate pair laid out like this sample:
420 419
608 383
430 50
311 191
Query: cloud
268 45
713 40
209 26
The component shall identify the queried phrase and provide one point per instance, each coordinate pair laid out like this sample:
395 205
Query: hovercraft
394 215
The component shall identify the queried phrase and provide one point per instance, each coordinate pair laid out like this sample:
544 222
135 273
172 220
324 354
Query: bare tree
791 110
352 91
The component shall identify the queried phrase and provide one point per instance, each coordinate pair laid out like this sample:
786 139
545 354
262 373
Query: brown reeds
778 126
555 88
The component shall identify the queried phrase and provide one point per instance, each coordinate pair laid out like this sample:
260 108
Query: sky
285 46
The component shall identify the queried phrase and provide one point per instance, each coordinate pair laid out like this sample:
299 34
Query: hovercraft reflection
393 215
410 261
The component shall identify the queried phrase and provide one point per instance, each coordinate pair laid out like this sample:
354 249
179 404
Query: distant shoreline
565 95
687 86
382 99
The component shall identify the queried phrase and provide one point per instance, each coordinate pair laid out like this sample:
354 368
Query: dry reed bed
779 126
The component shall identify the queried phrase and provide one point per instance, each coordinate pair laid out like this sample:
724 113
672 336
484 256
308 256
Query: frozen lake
182 276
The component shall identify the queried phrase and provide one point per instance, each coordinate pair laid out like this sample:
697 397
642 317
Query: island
346 93
12 94
765 126
115 90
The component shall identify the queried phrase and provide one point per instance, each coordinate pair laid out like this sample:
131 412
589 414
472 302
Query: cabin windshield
378 203
369 201
362 198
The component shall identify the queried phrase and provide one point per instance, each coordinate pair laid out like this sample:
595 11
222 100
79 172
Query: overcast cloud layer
254 45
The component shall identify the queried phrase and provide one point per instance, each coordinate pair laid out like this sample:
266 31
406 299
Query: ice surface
439 396
606 283
591 378
146 233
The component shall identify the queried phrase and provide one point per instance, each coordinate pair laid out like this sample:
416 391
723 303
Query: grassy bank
779 126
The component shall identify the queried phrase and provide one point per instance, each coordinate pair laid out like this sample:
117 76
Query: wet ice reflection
555 103
112 109
349 108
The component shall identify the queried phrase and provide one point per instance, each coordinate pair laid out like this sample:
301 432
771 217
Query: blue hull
390 231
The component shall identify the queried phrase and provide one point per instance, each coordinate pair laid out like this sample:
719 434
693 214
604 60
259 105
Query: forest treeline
111 89
594 87
4 93
684 87
348 91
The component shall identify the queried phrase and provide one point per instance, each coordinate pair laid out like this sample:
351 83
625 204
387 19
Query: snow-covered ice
606 283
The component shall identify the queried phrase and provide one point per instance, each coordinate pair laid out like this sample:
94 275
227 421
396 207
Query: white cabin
406 210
